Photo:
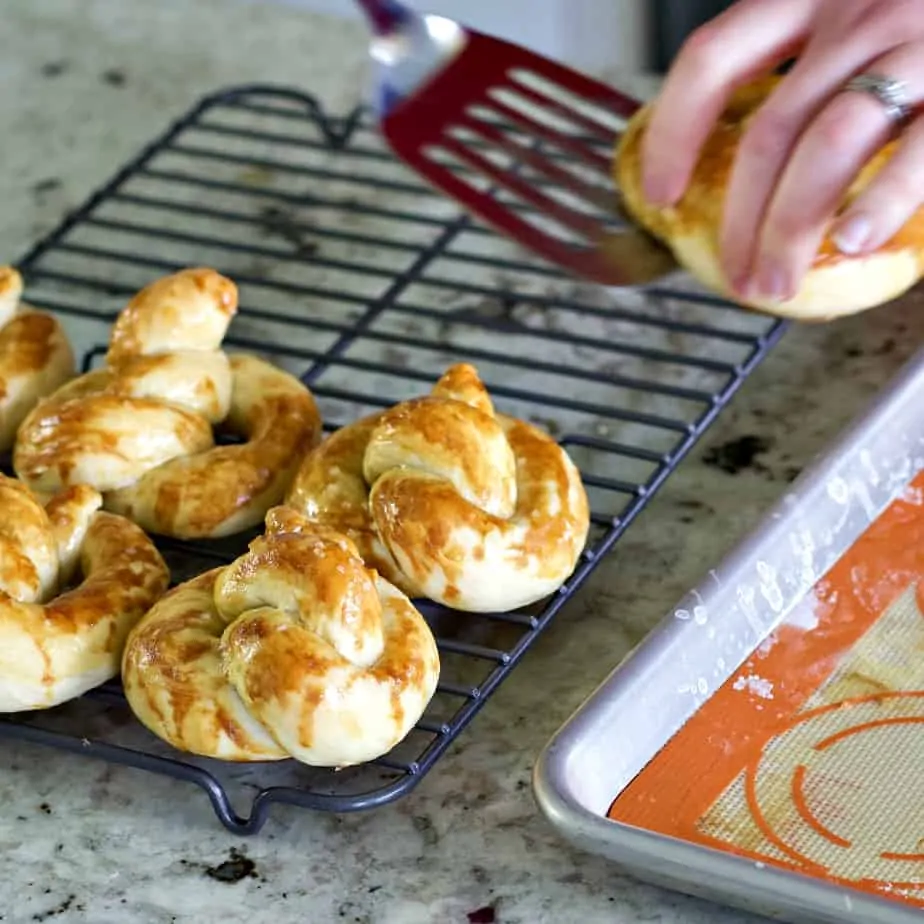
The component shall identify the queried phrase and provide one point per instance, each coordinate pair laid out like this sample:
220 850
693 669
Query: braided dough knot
35 356
140 430
58 639
295 649
451 500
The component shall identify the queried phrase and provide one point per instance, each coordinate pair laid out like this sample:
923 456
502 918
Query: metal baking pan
654 698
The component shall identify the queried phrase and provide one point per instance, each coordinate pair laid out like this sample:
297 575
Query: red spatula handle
385 16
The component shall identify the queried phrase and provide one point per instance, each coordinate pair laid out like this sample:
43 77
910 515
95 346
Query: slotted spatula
519 140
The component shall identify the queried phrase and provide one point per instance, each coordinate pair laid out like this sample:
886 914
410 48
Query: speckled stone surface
85 83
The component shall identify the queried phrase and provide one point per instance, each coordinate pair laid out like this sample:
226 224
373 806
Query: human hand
804 148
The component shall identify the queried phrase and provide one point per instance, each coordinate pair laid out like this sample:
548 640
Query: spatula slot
597 118
538 166
443 159
489 142
573 144
580 223
552 115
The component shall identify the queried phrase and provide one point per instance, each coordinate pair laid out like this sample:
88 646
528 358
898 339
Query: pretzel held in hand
295 649
35 356
59 638
836 284
450 500
140 430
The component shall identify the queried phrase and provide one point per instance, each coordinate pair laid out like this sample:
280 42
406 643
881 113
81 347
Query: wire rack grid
366 284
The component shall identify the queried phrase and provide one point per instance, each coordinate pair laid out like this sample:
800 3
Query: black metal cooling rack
357 277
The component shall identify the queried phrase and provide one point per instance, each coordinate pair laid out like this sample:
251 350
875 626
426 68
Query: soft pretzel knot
60 637
295 649
140 430
450 500
35 356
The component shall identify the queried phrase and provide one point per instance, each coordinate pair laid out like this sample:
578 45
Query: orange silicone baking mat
811 756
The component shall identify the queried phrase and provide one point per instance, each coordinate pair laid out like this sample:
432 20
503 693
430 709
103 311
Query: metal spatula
519 140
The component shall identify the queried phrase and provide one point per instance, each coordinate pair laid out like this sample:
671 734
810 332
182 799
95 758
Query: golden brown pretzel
295 649
836 284
450 500
140 430
59 638
35 356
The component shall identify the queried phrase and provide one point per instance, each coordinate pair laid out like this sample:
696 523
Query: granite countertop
86 82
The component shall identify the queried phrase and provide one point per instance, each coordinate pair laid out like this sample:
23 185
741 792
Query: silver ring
892 94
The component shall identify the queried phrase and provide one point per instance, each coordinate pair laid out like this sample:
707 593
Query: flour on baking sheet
758 686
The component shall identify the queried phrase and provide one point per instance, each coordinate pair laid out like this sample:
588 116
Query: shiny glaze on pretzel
35 356
73 582
295 649
450 500
140 430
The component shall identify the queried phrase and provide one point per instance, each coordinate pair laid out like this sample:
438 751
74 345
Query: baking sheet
726 654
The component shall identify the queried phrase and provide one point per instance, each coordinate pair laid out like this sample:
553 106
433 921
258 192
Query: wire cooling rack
358 278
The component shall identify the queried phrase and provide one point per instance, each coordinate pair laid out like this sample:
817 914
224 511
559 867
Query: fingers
883 208
748 39
767 147
824 164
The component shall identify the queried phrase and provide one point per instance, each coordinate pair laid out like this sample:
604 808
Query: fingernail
852 234
772 283
740 284
735 274
659 190
654 190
